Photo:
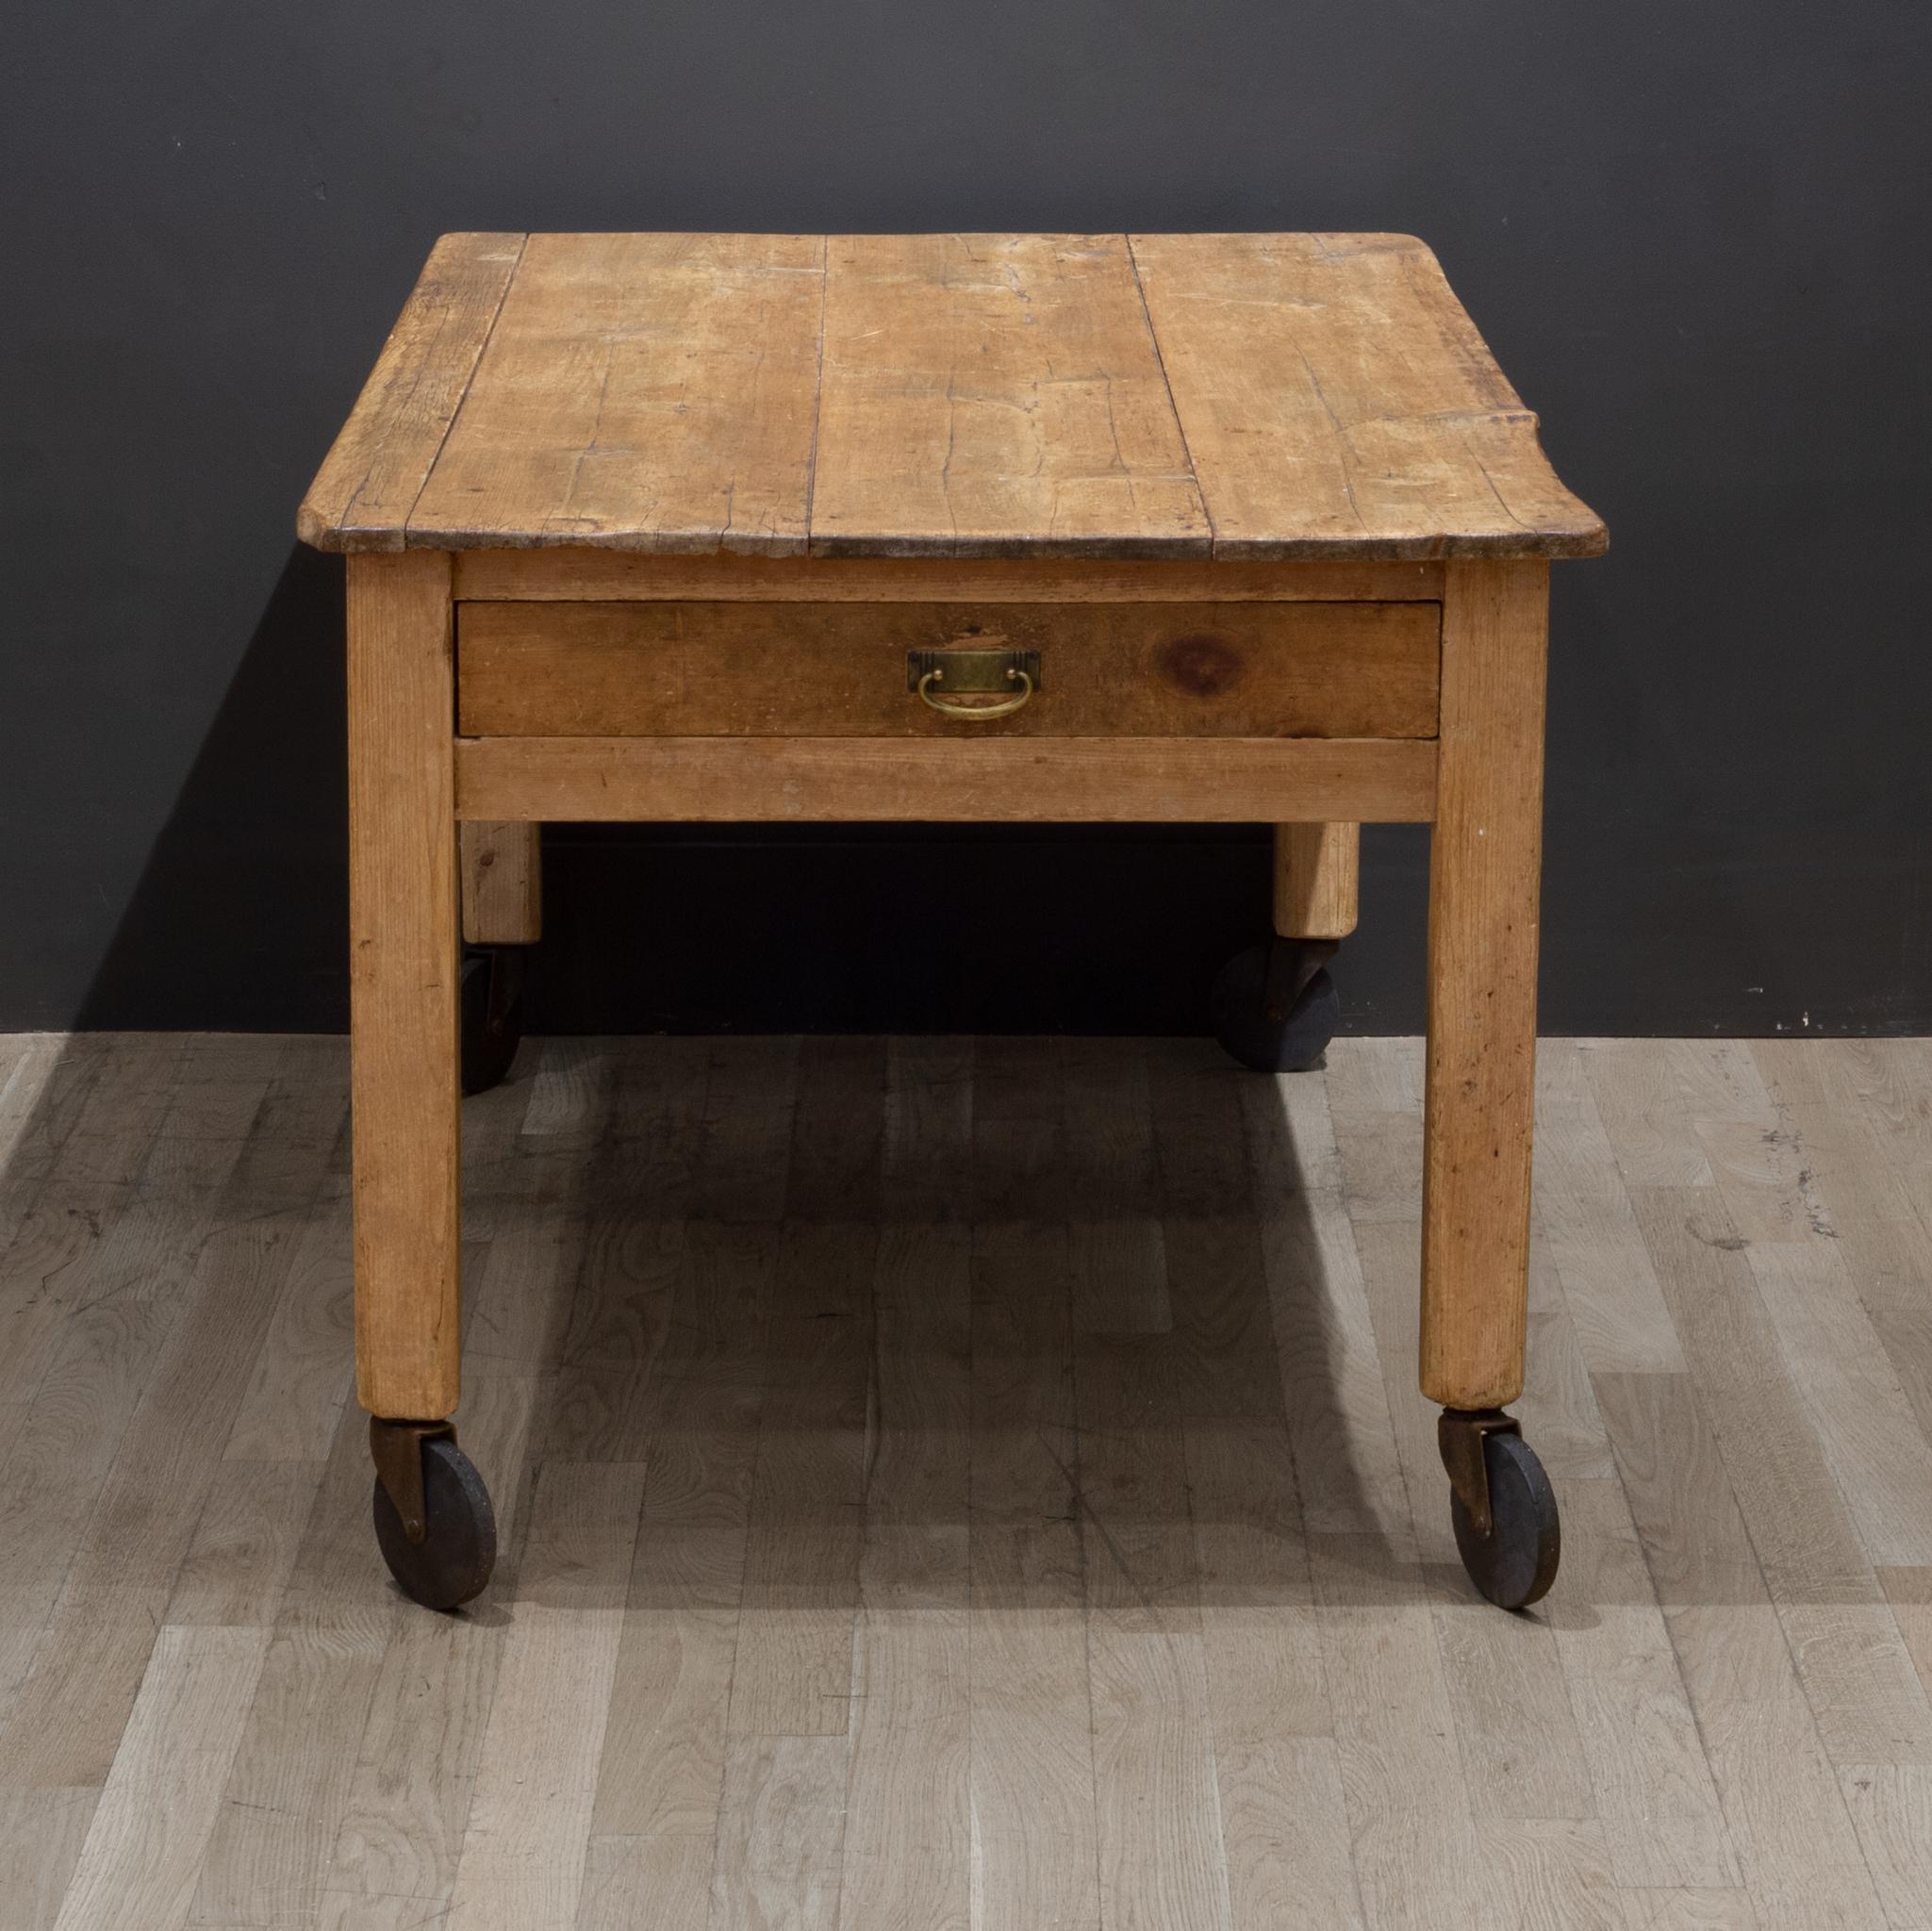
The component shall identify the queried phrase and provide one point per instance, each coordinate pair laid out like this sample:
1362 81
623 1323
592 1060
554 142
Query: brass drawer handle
1004 709
973 673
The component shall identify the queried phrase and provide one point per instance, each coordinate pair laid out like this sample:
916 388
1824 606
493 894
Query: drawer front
823 669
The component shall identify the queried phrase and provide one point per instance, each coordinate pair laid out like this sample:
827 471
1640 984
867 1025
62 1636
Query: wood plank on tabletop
995 395
642 392
1317 377
369 479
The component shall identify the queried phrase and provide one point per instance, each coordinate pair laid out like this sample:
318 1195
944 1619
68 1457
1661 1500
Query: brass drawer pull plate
972 673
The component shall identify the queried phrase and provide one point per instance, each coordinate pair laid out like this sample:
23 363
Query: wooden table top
1256 397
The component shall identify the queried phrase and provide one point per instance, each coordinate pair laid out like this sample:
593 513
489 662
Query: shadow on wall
239 921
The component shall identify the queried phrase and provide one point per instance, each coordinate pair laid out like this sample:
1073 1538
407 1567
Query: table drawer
820 670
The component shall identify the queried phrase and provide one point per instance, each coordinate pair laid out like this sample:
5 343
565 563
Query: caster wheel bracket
1461 1433
1290 966
396 1448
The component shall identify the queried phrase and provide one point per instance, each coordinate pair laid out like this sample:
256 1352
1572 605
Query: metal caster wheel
433 1522
1502 1504
492 995
1274 1006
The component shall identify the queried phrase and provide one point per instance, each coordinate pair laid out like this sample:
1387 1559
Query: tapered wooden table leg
433 1522
403 983
1486 861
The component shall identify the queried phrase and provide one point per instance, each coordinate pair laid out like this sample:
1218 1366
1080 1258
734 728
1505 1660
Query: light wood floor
968 1485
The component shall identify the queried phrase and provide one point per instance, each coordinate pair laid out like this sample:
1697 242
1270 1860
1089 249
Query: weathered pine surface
1257 397
971 1485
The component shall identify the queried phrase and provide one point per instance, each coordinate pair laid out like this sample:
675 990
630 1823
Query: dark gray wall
1695 236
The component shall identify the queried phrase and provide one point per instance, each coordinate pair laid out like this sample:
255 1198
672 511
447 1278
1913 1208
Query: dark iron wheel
451 1565
492 995
1274 1006
1514 1564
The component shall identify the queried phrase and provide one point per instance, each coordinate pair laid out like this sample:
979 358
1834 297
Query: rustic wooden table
989 527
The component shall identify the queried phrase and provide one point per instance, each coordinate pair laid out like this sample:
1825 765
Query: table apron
828 779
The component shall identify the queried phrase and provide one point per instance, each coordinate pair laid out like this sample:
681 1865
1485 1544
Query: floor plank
157 1808
522 1856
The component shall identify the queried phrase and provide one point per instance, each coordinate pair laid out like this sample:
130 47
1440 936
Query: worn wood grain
369 479
944 396
1485 868
403 994
994 394
645 391
1335 397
